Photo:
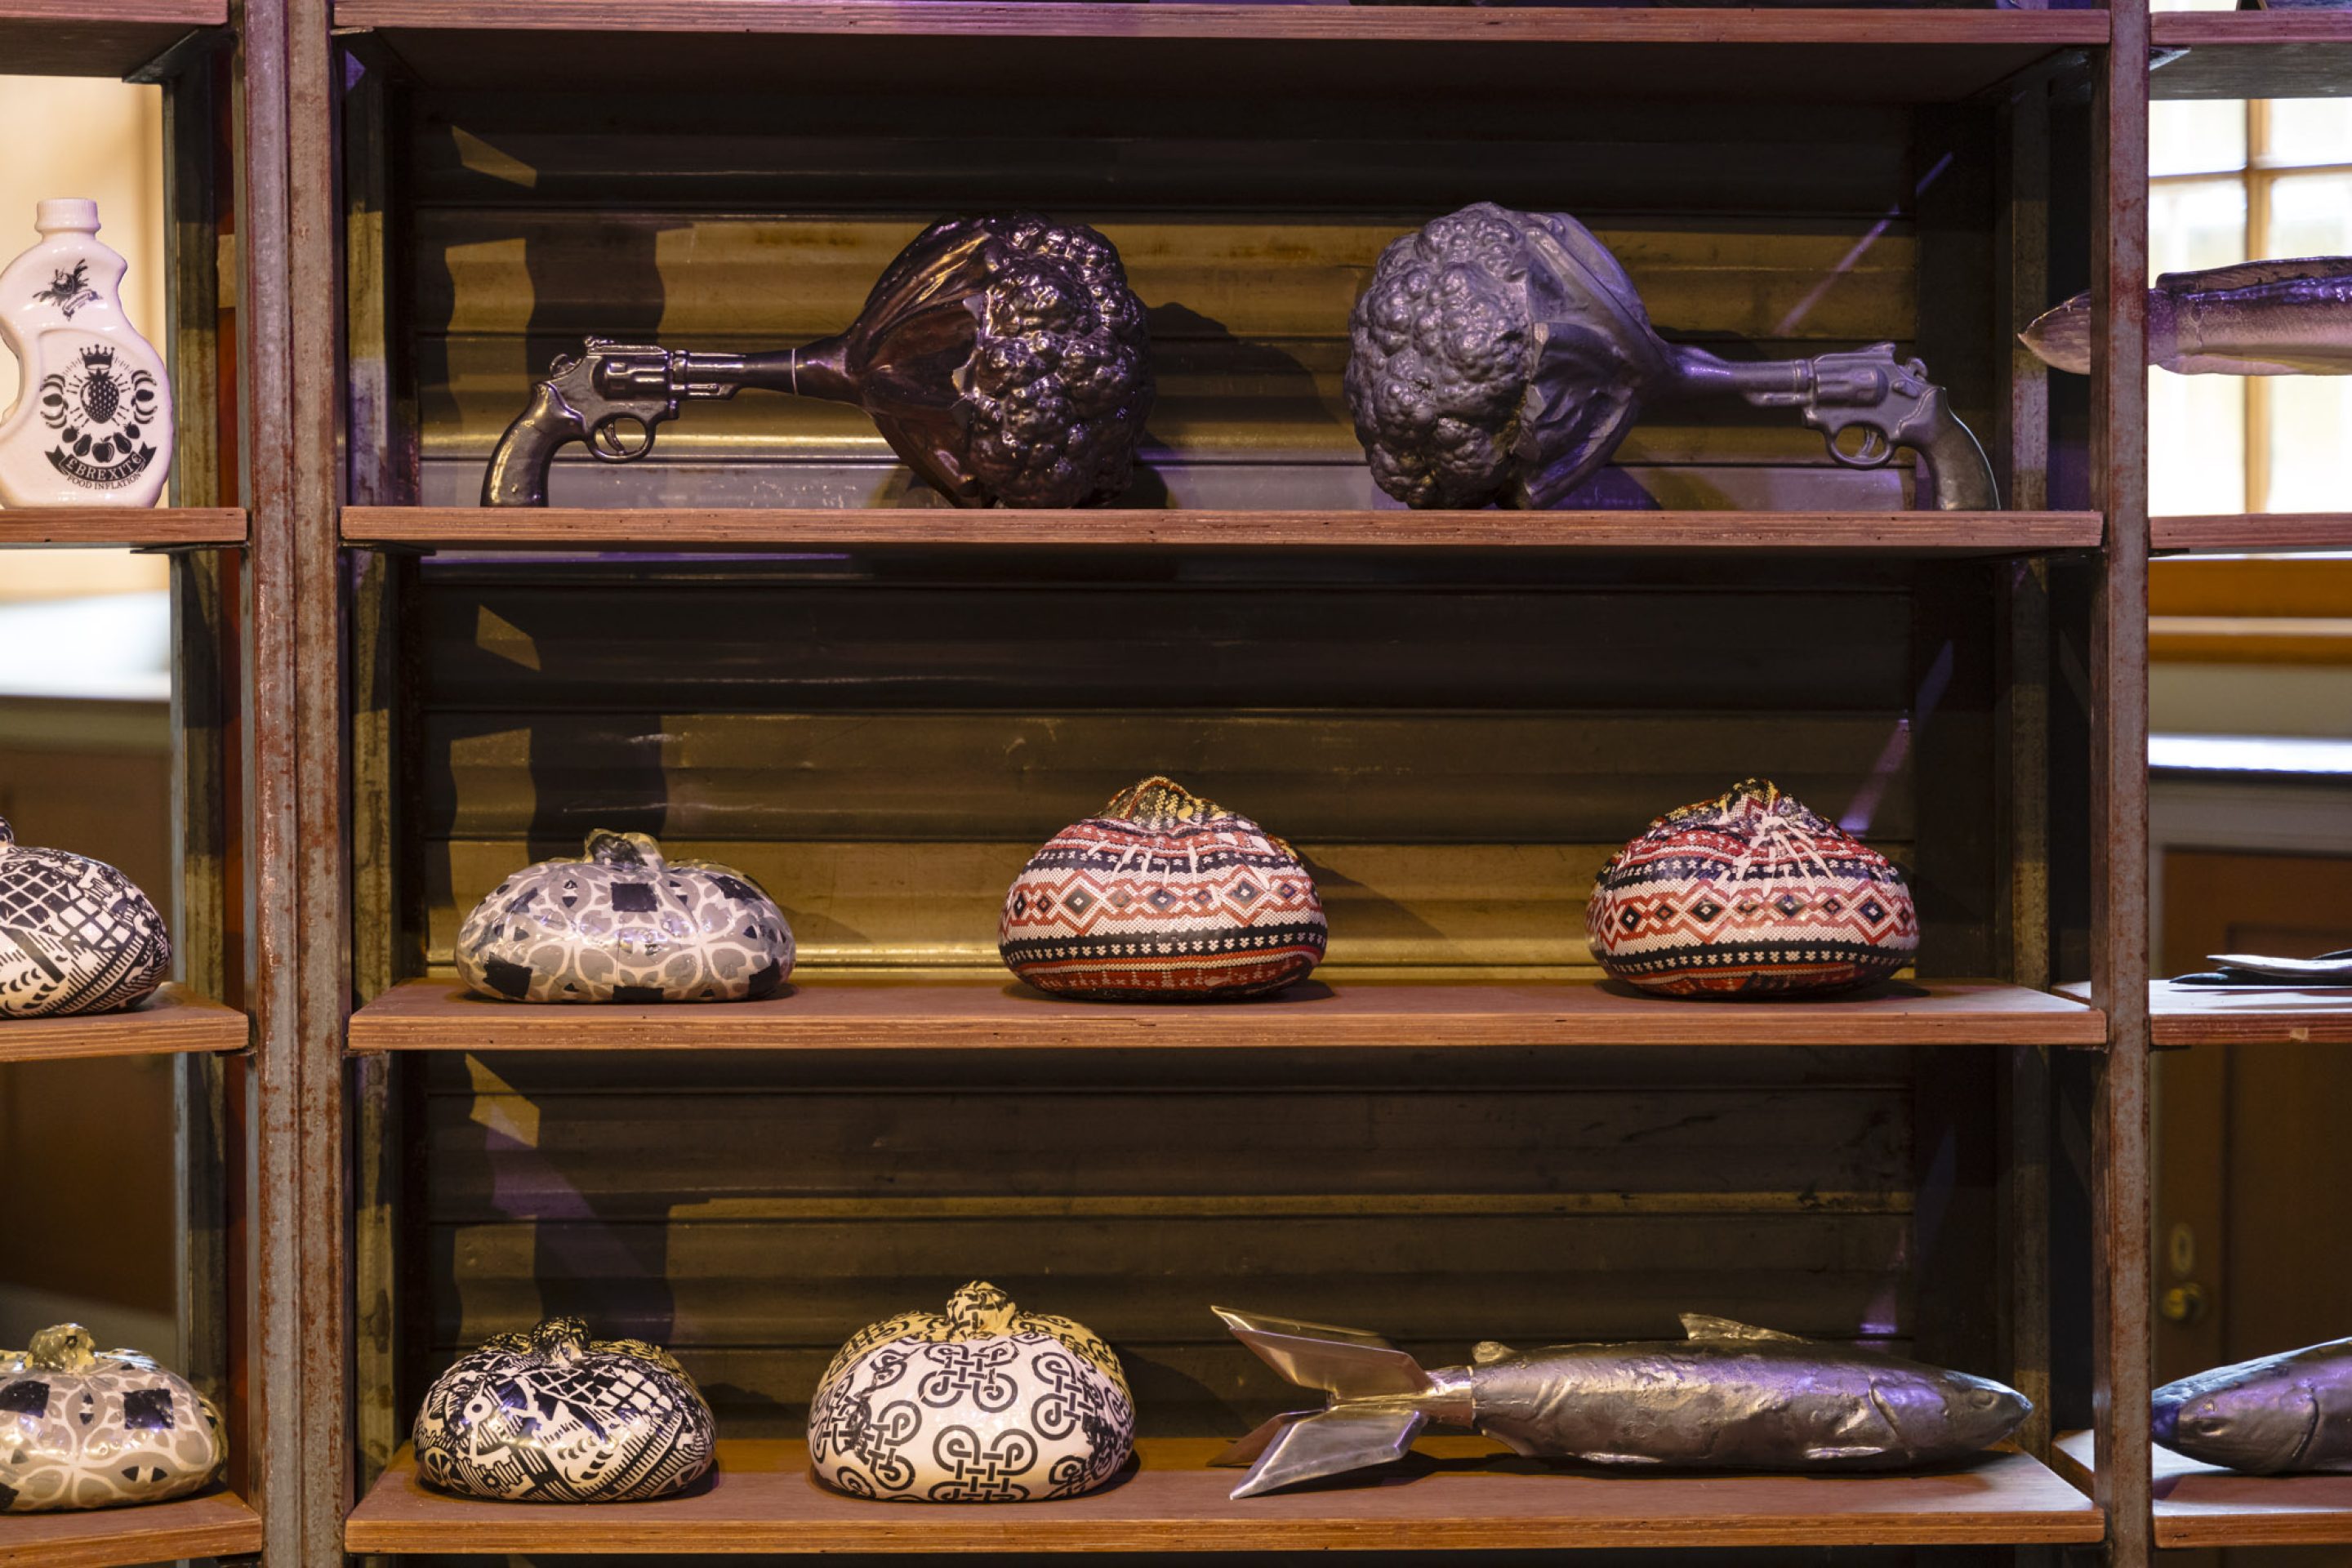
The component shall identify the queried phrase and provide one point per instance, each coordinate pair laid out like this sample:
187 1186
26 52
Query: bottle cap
66 214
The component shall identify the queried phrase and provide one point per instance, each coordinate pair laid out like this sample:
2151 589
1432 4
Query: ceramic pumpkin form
1749 895
76 936
82 1429
623 924
982 1404
554 1417
1162 897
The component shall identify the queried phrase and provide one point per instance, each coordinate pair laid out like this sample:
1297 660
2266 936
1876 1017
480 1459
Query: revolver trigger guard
608 444
1877 450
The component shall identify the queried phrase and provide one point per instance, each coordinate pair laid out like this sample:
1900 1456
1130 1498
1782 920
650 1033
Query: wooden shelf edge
2192 29
1336 22
218 1524
2238 533
2250 1016
763 1500
99 13
122 525
2201 1505
175 1021
1922 532
995 1013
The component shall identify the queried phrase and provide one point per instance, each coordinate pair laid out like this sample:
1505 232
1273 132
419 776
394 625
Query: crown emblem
98 356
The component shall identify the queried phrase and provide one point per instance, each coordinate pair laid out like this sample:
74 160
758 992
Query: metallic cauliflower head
1005 358
1496 355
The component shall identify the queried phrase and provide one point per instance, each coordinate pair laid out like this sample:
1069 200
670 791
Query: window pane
2309 130
2196 225
2311 428
2311 214
2196 442
2196 136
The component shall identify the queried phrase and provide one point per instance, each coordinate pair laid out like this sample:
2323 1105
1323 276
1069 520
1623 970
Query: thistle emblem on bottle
91 424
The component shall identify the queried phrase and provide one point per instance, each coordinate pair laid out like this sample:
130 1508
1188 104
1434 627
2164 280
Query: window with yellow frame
2236 182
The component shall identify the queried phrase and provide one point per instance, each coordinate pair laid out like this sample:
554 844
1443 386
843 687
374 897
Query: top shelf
2253 54
1908 533
1826 56
156 527
96 37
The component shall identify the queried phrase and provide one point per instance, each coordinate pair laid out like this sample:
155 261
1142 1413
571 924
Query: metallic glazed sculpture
2255 969
83 1428
2259 318
554 1417
1727 1397
1503 355
2273 1415
622 923
76 934
1005 358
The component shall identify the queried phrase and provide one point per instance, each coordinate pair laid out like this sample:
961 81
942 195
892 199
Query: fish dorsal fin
1699 1326
2251 274
1487 1353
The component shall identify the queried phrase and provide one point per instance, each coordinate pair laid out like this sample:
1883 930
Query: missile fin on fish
1728 1396
2276 1415
2285 317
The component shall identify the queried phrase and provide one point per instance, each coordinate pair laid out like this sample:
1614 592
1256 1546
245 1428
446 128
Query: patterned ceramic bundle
984 1404
1749 895
75 935
1162 897
554 1417
623 924
79 1429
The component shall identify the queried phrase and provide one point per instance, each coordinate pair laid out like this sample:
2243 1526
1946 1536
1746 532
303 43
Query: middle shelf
1453 1494
999 1013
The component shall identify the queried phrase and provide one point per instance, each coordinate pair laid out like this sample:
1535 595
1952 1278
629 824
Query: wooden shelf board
1852 55
2240 532
998 1012
216 1524
172 1020
2252 1016
1454 1494
123 525
1876 533
2204 1505
96 38
2253 54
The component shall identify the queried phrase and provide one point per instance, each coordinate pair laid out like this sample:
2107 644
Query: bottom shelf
216 1524
1461 1493
2203 1505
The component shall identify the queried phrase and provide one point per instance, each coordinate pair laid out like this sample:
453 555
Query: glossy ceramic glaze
76 936
2275 1414
1749 895
624 924
1162 897
983 1403
81 1429
554 1417
92 423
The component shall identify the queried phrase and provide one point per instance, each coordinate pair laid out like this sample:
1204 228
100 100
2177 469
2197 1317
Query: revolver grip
1953 467
518 471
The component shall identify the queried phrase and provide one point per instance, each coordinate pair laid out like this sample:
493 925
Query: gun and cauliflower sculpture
1497 357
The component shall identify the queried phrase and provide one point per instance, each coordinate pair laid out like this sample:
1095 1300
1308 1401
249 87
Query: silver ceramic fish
2259 318
1727 1397
2276 1413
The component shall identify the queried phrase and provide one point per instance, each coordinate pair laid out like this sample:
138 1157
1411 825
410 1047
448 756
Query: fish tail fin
1345 1363
1368 1421
1309 1447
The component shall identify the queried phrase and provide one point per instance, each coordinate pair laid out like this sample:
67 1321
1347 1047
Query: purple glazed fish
2273 1415
2260 318
1727 1397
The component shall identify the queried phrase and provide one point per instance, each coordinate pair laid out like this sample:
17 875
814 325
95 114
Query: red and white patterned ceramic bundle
1163 897
1748 894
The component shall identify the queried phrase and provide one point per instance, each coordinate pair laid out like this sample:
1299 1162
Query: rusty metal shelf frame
311 642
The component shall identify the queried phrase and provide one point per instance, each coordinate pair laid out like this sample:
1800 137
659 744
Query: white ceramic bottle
91 423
